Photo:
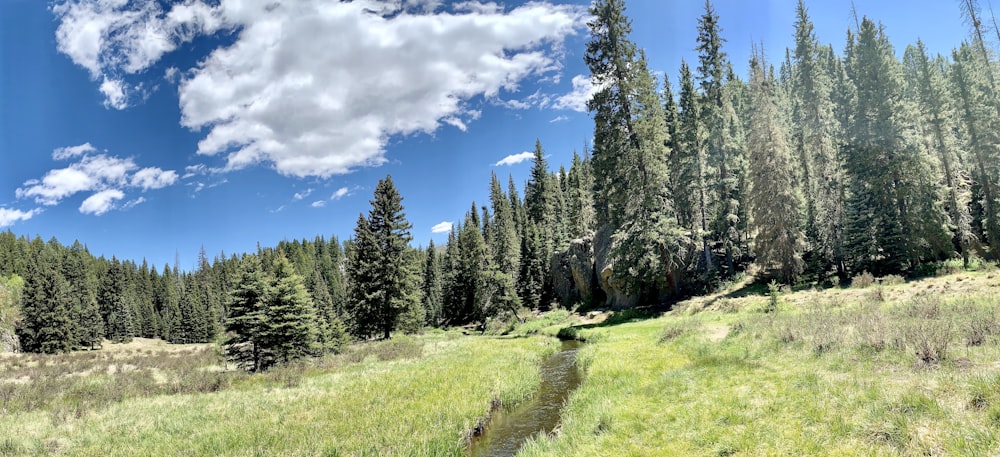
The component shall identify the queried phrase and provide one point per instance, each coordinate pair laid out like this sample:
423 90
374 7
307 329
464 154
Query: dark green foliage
382 282
47 324
287 328
894 218
774 204
432 287
244 323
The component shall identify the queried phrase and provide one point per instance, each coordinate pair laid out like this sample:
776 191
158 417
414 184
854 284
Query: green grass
849 376
378 399
891 369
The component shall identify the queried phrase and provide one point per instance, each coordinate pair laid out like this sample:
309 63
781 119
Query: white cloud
72 151
303 194
583 91
90 173
318 204
9 216
515 159
558 119
317 87
443 227
133 203
153 178
104 175
101 202
114 93
340 193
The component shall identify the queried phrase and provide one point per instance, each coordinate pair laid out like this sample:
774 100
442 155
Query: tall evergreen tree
505 244
938 120
432 287
638 236
246 313
47 326
895 218
288 324
689 164
382 281
774 203
815 130
979 127
82 282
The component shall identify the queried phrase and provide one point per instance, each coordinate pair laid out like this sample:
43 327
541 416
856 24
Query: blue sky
147 129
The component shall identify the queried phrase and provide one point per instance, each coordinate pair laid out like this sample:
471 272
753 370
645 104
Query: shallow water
508 430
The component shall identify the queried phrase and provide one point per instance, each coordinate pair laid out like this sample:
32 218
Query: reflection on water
507 431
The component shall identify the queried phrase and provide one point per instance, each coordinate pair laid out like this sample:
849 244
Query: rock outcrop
610 281
9 341
573 275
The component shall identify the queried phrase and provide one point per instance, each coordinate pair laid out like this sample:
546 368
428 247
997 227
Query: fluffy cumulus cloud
515 159
103 175
101 202
153 178
317 87
583 91
443 227
9 216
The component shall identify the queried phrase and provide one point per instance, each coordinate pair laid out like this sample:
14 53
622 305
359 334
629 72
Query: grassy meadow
409 396
884 367
889 369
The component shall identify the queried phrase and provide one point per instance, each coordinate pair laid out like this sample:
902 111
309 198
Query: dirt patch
716 333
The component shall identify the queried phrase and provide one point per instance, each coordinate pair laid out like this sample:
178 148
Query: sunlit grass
840 372
391 400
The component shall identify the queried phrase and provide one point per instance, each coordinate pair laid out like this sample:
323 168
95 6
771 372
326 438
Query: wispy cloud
318 204
72 151
340 193
443 227
303 194
515 159
558 119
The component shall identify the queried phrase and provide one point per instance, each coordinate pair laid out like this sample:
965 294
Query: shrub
863 280
676 329
892 280
774 297
568 333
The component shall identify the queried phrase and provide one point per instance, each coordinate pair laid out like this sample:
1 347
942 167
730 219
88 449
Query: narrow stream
507 431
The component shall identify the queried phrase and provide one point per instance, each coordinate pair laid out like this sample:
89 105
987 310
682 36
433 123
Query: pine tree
721 121
979 126
288 325
505 245
117 304
82 282
774 203
382 284
244 323
541 206
815 129
432 287
928 81
638 238
895 218
691 171
47 326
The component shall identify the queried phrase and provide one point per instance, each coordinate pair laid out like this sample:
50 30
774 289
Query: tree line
827 166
